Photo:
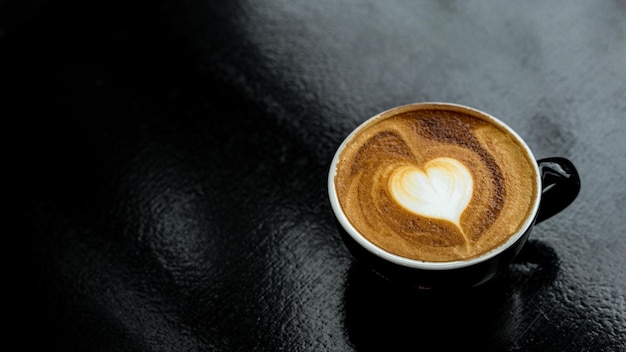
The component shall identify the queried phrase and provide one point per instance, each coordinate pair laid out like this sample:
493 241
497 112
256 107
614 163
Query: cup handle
560 186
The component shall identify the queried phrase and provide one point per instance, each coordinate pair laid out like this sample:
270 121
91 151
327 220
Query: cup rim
414 263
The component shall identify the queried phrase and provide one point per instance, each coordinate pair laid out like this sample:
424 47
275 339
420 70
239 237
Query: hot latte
435 182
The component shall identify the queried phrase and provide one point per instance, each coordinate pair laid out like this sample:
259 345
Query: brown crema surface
504 186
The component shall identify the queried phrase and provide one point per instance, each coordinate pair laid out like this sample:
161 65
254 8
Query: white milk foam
443 191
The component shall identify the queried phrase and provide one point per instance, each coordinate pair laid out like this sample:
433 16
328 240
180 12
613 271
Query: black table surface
169 162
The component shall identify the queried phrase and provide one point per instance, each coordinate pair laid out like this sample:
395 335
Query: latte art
435 184
442 192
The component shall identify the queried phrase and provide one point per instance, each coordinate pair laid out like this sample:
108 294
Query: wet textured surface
167 169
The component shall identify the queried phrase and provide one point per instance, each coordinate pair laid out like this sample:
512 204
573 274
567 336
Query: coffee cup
440 195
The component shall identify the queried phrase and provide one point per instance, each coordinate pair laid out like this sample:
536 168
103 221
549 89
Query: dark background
169 164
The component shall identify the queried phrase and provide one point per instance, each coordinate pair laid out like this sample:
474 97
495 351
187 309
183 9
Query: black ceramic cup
557 180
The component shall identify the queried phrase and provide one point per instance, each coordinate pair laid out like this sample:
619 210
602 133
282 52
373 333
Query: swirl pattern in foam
435 184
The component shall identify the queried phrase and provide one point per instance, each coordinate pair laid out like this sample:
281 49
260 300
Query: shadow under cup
559 185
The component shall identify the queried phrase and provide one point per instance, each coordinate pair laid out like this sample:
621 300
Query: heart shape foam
443 191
